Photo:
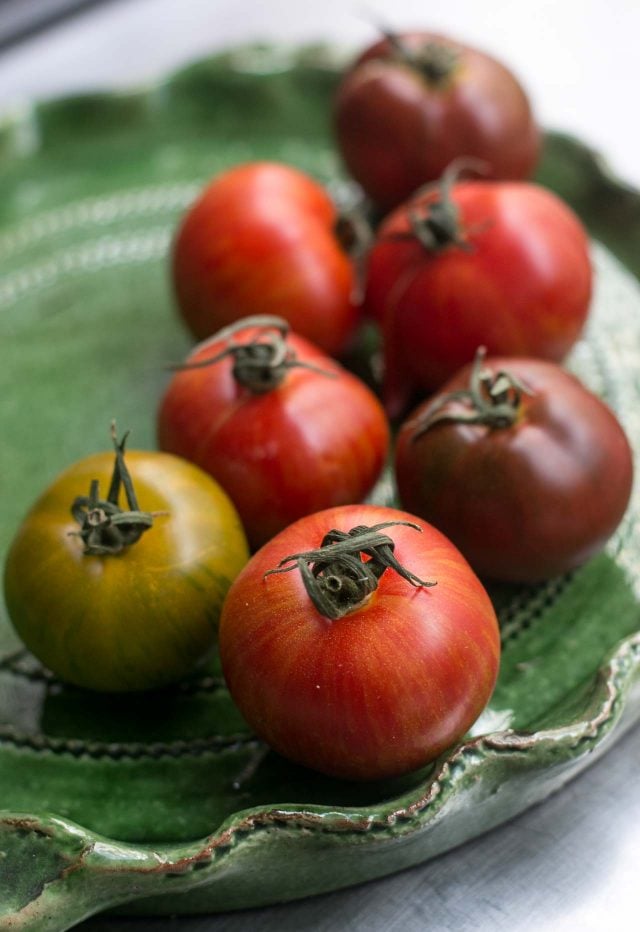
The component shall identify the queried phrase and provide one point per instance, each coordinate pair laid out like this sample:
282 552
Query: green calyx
436 223
337 578
493 399
261 362
436 61
105 527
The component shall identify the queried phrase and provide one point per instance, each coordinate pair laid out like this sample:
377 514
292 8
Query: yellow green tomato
115 579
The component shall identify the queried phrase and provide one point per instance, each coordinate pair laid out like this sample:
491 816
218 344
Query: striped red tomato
281 426
370 650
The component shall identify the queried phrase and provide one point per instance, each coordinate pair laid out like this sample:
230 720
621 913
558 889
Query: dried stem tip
337 578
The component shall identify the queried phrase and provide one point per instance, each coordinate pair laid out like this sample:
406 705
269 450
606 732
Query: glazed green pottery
115 802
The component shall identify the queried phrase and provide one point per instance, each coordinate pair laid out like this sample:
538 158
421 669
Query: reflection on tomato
527 471
413 102
261 239
117 598
371 650
282 427
475 263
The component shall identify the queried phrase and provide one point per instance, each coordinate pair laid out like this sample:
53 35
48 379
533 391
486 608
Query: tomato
281 426
113 598
526 470
359 645
412 103
261 239
504 265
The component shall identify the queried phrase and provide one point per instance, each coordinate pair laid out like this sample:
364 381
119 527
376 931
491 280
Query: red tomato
528 484
504 265
414 102
260 239
283 428
353 664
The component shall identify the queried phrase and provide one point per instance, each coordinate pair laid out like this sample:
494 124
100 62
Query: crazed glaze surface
106 804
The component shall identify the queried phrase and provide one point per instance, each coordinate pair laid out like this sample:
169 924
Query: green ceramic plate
113 801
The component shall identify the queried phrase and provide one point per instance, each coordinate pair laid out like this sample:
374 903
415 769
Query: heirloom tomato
527 471
413 102
280 425
261 238
504 265
111 597
359 642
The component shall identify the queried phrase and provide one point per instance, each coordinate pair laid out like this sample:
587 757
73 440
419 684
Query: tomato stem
105 528
436 222
260 363
492 399
337 579
436 61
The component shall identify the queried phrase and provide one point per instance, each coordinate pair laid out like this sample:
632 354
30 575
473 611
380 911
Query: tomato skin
140 619
527 502
398 130
521 285
260 239
314 441
380 691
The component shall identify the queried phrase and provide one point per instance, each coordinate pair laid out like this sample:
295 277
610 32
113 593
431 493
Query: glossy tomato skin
321 438
527 502
398 129
519 285
380 691
139 619
260 240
